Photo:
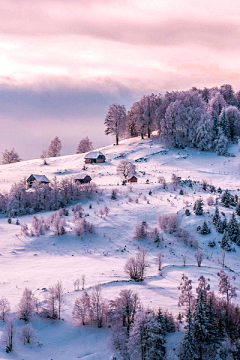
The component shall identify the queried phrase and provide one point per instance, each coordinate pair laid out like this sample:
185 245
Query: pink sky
64 62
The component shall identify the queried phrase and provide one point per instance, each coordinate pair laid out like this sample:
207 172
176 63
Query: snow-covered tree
159 260
84 145
225 243
135 266
189 348
199 256
126 169
186 297
60 297
198 207
225 287
205 133
216 216
28 334
115 121
233 229
82 310
9 332
233 115
221 143
224 124
146 341
204 229
26 305
145 120
10 156
141 230
169 223
4 308
44 157
55 147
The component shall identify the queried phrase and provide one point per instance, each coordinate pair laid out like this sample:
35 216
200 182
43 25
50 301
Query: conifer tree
225 244
216 216
233 228
224 123
237 210
198 207
189 349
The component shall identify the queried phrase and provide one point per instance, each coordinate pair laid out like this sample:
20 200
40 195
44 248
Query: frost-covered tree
26 305
221 225
225 243
169 223
198 207
233 115
115 121
55 147
82 227
216 216
4 308
44 157
204 229
10 156
9 332
199 256
82 310
141 230
84 145
189 348
225 287
60 297
135 266
146 341
186 297
126 169
28 334
224 123
205 133
51 303
131 123
221 143
159 260
145 120
233 229
227 199
123 309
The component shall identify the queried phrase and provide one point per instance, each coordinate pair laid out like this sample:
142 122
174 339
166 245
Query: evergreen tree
228 199
224 123
204 230
225 243
216 216
221 143
204 133
233 228
198 207
189 349
221 225
237 210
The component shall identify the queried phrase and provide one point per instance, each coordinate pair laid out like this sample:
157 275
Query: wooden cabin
95 157
82 178
133 179
40 178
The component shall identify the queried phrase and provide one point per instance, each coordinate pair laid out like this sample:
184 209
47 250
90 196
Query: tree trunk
149 133
116 139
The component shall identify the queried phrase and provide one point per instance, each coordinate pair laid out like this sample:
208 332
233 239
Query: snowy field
39 262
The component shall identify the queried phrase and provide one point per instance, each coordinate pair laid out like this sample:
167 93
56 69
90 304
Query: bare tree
96 300
28 334
44 157
9 335
159 261
135 266
51 300
83 281
60 298
199 256
4 308
26 305
82 310
76 284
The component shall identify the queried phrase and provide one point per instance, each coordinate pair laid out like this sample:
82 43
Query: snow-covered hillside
39 262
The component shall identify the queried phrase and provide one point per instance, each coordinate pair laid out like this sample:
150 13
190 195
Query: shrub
169 223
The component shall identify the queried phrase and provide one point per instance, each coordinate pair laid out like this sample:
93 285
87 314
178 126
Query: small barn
133 179
40 178
82 178
95 157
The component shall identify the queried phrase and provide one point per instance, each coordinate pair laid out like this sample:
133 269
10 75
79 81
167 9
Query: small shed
40 178
82 178
95 157
133 179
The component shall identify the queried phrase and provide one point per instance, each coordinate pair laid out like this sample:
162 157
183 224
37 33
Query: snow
39 262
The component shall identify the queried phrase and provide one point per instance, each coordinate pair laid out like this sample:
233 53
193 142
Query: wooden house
40 178
95 157
133 179
82 178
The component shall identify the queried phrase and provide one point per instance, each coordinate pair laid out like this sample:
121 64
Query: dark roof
94 155
81 176
42 178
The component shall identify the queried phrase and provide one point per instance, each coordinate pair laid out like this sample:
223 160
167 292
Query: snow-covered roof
94 155
80 176
40 178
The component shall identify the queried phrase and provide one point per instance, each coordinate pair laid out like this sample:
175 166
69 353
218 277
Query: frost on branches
84 145
55 147
10 156
116 121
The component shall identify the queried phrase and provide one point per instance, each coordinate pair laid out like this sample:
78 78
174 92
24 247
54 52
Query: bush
141 230
82 226
187 212
210 201
169 223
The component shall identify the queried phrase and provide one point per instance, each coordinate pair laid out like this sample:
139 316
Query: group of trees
210 321
20 200
207 119
54 150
